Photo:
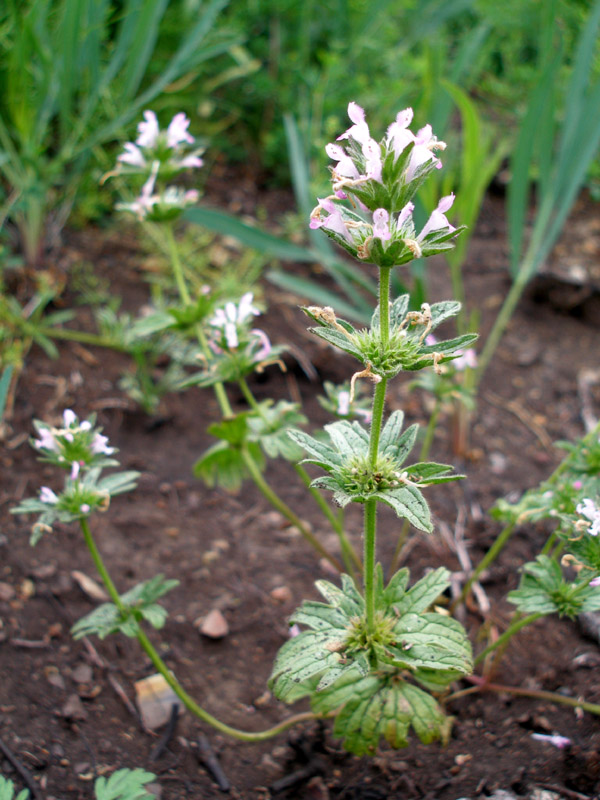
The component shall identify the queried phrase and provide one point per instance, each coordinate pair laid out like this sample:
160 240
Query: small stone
214 625
173 533
89 586
498 463
282 594
27 589
54 677
73 709
82 674
154 789
44 571
155 700
6 592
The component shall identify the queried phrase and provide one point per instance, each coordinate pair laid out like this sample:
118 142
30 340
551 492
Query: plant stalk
513 628
370 512
151 652
482 685
284 509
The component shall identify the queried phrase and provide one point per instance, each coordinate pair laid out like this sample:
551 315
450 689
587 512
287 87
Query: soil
230 552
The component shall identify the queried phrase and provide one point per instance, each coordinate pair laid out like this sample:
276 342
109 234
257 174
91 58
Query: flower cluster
74 446
80 448
159 155
379 179
235 349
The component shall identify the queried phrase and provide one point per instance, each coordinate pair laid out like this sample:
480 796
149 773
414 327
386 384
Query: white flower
177 132
100 445
69 417
46 440
381 228
48 496
229 317
590 511
132 156
148 131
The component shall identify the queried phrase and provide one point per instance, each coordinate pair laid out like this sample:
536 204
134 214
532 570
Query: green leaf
378 706
7 791
228 225
223 465
124 784
231 429
118 483
408 502
323 455
270 428
140 600
543 590
425 592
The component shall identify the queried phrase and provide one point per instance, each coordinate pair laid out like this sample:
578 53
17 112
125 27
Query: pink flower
69 417
398 135
558 741
132 156
177 132
148 131
334 222
265 348
372 153
595 581
425 143
437 221
360 130
346 168
229 317
577 485
466 358
381 228
405 214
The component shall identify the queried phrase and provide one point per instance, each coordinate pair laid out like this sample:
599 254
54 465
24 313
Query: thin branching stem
151 652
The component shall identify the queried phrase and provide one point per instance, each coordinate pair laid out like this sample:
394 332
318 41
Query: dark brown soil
230 552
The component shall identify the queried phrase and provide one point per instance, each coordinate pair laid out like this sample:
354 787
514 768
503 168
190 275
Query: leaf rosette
407 348
351 477
368 678
544 590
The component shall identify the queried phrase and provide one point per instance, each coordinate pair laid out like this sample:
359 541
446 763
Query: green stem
515 627
151 652
370 512
369 562
491 554
502 320
84 337
538 694
284 509
176 264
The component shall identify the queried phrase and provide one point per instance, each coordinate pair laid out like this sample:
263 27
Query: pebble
89 586
54 677
282 594
73 708
44 571
82 673
6 592
214 625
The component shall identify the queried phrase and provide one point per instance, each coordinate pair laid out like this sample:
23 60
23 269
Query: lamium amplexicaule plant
377 655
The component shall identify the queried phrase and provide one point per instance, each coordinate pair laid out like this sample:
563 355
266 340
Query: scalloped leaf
124 784
377 706
270 429
424 593
408 503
